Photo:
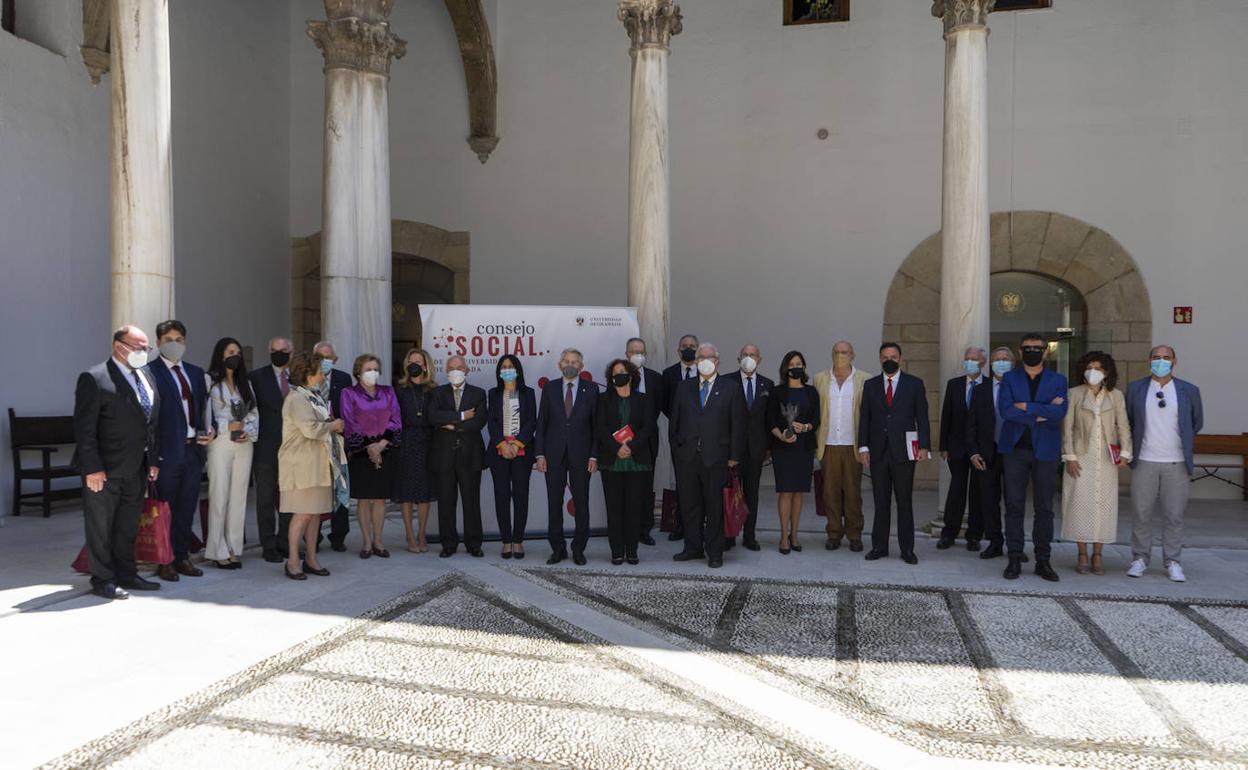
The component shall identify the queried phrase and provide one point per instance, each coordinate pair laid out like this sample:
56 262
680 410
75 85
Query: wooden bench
45 435
1226 445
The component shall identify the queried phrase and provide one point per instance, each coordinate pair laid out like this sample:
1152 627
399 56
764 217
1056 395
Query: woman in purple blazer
372 427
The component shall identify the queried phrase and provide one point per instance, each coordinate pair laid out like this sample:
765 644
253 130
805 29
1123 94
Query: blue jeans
1020 466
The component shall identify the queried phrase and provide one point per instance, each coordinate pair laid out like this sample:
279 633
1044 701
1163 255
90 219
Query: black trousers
701 491
111 520
1020 466
679 531
892 478
511 494
273 528
964 477
178 485
561 473
462 480
990 496
339 525
624 492
751 475
645 515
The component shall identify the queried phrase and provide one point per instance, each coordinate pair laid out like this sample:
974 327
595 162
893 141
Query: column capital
650 23
961 14
357 36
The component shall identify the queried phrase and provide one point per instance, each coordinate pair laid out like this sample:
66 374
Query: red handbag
152 543
80 565
818 482
667 522
735 509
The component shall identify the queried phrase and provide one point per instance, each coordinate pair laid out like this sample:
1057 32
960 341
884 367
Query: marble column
142 164
650 25
965 302
358 47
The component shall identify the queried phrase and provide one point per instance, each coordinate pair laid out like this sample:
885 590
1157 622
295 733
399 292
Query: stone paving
1066 679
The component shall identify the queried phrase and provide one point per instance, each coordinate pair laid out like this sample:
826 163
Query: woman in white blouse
232 413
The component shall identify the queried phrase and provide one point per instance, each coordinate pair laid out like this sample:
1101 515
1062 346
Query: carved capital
650 23
362 42
960 14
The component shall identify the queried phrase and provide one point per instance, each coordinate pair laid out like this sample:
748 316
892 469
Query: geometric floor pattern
1069 680
451 675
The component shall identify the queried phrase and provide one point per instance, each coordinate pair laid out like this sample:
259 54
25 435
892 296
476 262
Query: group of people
312 437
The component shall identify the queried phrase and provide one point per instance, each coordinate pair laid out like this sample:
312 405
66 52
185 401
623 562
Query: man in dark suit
458 413
707 431
116 409
184 393
332 386
983 426
565 451
684 369
893 404
955 452
755 390
651 386
270 384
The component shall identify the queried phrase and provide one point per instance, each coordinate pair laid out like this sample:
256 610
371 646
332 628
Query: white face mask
369 377
706 367
456 377
136 359
1094 376
638 359
748 364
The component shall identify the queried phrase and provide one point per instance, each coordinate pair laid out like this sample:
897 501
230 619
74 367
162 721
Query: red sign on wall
1183 315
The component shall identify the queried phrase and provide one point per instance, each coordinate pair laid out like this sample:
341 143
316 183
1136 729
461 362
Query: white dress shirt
1162 441
128 375
841 411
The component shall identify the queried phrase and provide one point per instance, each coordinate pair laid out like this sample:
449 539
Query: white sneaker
1176 572
1137 568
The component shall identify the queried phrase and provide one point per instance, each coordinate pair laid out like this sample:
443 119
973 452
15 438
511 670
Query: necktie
970 387
749 392
284 381
186 389
688 372
144 399
888 394
459 394
567 401
996 432
705 391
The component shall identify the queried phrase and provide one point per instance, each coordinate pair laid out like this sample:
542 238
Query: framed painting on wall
815 11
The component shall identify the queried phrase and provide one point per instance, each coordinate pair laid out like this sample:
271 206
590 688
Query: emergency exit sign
1183 315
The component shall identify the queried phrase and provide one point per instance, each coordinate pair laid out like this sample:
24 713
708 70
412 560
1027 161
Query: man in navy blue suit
755 389
1032 403
684 369
183 391
565 451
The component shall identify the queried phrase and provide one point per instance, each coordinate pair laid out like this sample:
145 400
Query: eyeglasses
1161 400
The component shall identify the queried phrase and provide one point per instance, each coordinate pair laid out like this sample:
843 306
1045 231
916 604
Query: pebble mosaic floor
1067 680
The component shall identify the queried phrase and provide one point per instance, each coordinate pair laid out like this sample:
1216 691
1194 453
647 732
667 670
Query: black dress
793 463
412 482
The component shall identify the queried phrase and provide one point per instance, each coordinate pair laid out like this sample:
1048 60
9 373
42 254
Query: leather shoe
578 558
675 535
555 558
632 559
1013 569
909 558
1045 570
446 553
167 572
944 544
337 545
972 545
685 556
992 551
272 557
322 572
186 568
476 552
855 546
646 540
715 563
617 560
832 545
293 575
110 591
751 545
137 583
876 553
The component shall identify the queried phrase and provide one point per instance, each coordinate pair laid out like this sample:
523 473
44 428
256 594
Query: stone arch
1055 245
408 241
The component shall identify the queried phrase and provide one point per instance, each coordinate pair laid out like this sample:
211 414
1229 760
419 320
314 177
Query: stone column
142 164
650 25
355 243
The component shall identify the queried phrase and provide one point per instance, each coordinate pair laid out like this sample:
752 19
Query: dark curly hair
1107 365
633 372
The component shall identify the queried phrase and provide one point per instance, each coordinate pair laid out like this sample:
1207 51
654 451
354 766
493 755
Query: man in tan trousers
840 394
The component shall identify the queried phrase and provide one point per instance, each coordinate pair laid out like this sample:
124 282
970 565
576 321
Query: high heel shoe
506 554
365 553
784 551
1081 566
318 571
293 575
382 552
796 546
1098 565
517 554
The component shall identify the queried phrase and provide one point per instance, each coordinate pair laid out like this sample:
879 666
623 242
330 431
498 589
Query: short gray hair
1152 352
714 350
566 351
1003 349
977 350
455 358
283 339
324 344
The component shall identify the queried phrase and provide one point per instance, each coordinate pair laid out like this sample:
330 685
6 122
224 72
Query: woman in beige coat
1096 440
309 462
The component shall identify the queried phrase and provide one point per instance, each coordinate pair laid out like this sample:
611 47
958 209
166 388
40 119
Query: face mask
233 363
327 366
972 367
748 364
999 368
279 358
456 377
688 355
415 370
369 378
1094 376
136 359
621 379
796 372
638 359
173 350
570 372
840 359
507 375
1161 367
706 367
1033 356
890 366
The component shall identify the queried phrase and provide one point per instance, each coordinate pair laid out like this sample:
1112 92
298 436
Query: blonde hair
406 379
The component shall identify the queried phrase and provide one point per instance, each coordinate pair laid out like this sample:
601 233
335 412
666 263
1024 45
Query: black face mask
890 366
797 372
415 370
279 357
233 363
688 355
621 379
1033 356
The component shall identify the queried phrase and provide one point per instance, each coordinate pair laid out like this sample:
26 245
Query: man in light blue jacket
1165 414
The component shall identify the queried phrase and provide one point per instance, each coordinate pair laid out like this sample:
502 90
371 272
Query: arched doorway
1024 302
1059 252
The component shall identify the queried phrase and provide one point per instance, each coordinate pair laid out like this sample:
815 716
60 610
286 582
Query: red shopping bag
667 522
735 509
80 565
818 482
152 543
